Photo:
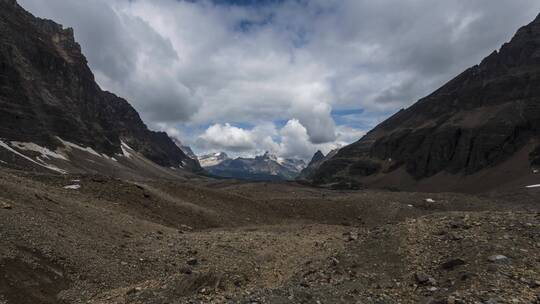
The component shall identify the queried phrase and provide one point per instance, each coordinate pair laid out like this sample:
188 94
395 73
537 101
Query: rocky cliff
476 121
48 91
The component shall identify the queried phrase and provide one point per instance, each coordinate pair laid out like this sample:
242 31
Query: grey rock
498 258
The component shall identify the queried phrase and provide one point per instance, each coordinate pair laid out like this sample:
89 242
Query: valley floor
206 241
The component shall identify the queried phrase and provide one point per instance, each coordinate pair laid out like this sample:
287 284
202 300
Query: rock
192 262
421 277
6 206
73 187
455 236
351 236
186 227
134 291
451 264
498 258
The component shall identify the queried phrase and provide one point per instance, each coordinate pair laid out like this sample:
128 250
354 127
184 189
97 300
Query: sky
286 76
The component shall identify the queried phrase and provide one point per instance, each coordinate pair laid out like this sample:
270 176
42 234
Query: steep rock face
317 157
47 90
476 121
316 161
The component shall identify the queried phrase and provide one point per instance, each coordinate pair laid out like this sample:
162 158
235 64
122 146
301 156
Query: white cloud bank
294 140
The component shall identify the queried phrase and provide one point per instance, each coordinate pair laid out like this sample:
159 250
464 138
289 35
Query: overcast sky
291 77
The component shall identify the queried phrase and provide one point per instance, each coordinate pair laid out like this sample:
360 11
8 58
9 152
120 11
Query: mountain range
263 167
97 208
477 132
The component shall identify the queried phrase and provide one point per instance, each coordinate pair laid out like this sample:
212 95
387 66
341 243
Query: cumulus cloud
291 141
191 64
128 56
225 137
228 137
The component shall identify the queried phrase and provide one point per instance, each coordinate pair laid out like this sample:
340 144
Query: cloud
291 141
127 55
191 64
227 137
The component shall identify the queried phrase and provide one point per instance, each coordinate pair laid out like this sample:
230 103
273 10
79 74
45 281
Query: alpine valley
439 204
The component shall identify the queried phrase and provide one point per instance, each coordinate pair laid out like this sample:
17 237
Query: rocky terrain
92 239
485 118
263 168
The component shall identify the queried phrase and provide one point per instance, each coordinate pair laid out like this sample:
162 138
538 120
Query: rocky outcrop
317 157
316 161
47 91
476 121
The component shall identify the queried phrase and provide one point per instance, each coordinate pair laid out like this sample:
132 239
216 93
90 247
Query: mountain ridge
260 167
48 91
476 121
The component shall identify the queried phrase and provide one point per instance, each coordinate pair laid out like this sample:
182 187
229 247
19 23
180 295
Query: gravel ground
114 241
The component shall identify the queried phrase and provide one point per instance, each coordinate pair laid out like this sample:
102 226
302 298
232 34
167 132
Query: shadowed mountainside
47 91
477 121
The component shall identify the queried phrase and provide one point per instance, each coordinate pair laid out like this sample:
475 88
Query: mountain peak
537 19
267 156
212 159
221 154
317 157
66 102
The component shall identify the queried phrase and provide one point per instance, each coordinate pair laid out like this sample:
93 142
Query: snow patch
73 187
533 186
68 144
45 153
39 163
125 149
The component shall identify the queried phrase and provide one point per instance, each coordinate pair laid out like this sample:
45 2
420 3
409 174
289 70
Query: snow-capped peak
213 159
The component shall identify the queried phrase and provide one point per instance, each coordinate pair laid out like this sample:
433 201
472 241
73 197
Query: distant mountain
49 101
264 167
214 159
479 131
